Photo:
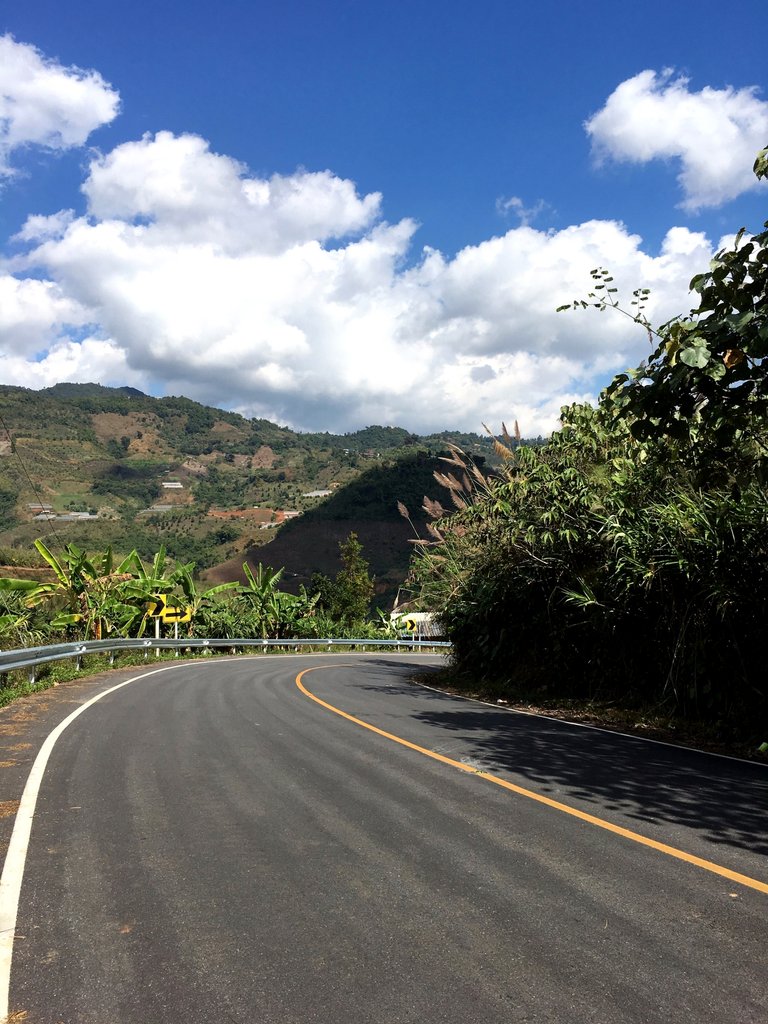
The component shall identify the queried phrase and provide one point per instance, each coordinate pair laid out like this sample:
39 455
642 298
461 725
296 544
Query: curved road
221 842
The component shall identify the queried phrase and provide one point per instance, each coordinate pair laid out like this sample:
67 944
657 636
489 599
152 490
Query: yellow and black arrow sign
157 606
171 614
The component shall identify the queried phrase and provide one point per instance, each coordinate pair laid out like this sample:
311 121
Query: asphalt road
210 844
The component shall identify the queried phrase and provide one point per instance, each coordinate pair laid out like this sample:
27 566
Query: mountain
116 466
368 507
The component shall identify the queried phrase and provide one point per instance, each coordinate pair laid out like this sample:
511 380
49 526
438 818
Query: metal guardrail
32 657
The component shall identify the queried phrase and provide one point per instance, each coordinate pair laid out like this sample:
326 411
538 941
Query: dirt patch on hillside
151 443
254 515
28 572
224 429
263 458
114 425
143 430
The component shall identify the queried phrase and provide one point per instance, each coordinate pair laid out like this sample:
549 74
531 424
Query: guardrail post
32 675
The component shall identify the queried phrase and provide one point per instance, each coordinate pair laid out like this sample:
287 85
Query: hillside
93 465
366 506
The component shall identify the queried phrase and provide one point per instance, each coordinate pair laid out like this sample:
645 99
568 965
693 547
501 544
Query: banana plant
198 601
85 592
17 628
294 609
145 585
261 595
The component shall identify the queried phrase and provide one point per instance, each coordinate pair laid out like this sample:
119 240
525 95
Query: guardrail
32 657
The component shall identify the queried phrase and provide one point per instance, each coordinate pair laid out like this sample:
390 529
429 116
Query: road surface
222 841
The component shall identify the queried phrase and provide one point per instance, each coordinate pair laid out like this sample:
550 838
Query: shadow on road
726 801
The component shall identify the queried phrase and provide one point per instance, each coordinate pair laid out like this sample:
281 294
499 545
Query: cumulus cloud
190 194
90 359
190 272
43 103
34 313
714 133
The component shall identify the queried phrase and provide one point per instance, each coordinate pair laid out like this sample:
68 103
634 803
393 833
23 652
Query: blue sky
415 281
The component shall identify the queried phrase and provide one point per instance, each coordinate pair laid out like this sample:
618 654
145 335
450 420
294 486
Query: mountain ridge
148 471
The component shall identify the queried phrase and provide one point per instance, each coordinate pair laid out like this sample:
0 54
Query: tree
347 597
706 383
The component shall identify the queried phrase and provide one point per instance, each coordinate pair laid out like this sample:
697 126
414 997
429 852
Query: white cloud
38 227
714 133
191 194
92 359
525 214
43 103
221 286
33 313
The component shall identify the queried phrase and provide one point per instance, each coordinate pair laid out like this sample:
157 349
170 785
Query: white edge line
15 859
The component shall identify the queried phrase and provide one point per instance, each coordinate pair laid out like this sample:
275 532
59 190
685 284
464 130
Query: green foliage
376 438
629 556
346 599
90 597
7 507
136 482
706 383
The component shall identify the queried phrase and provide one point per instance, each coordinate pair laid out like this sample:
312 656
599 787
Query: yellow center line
591 819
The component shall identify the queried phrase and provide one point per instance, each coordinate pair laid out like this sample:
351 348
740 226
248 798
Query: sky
337 214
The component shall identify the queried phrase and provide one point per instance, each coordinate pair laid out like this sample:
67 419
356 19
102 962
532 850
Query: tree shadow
725 800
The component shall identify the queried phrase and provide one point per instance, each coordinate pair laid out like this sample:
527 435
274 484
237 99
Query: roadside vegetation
73 596
626 562
83 597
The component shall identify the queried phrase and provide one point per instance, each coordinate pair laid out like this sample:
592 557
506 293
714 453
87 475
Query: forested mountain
95 466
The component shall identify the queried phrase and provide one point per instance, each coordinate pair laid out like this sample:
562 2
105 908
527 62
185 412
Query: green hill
367 506
116 466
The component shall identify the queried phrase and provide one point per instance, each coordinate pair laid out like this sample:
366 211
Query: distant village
268 518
